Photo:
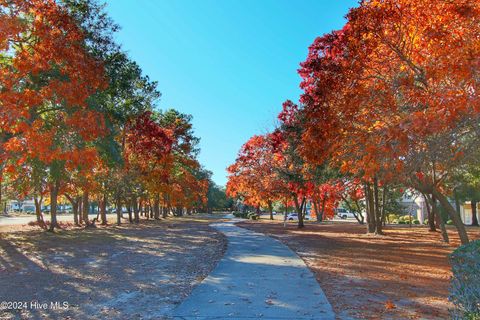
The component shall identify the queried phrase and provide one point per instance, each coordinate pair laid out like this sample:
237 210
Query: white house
414 204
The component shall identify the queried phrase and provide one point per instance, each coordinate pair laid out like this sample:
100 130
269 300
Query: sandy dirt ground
402 275
129 272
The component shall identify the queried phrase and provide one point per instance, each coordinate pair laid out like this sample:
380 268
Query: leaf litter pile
402 275
129 272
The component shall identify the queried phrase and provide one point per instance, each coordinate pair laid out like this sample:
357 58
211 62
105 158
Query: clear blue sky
229 63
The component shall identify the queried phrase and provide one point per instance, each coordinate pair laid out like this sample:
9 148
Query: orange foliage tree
393 96
253 176
77 120
47 77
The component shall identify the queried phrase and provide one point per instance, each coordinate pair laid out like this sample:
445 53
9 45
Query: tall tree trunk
454 215
299 208
38 212
129 210
118 204
270 209
103 210
74 203
378 212
439 219
384 205
136 216
370 209
156 207
474 213
430 214
80 210
322 210
165 212
75 212
54 187
85 208
285 213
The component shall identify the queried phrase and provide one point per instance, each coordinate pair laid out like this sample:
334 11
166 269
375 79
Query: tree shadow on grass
104 272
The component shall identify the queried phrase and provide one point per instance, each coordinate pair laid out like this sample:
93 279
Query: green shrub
395 221
401 221
401 218
425 221
243 215
465 285
254 217
449 222
416 221
392 217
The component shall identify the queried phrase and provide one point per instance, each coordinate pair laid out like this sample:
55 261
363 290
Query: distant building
416 206
21 205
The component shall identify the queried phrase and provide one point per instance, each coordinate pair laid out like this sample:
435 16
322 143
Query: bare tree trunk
150 207
156 207
474 213
454 215
103 210
136 216
384 205
370 209
80 210
54 187
270 209
431 215
38 212
118 204
75 205
165 212
299 208
129 210
322 211
74 202
439 219
85 208
378 213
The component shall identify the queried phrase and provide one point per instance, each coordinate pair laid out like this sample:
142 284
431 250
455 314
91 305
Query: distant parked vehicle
28 209
293 216
114 210
344 214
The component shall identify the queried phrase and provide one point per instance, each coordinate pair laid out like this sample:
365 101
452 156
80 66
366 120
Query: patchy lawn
128 272
403 275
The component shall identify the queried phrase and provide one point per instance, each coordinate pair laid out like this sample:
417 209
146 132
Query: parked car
344 214
114 210
294 216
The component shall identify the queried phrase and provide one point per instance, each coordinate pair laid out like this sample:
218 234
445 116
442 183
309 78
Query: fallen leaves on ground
404 274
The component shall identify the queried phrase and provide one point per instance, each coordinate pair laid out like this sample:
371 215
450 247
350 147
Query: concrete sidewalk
258 277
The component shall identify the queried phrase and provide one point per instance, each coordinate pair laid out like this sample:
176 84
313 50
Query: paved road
258 278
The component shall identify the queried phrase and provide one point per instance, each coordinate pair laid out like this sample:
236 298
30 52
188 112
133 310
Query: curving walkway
258 278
